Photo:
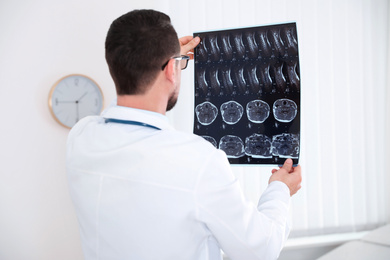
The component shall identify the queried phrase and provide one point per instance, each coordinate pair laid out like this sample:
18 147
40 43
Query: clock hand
77 111
77 106
82 96
65 102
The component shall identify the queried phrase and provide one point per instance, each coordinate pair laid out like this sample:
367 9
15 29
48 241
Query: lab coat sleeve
242 230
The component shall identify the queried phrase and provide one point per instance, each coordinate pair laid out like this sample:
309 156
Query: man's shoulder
83 122
189 145
193 141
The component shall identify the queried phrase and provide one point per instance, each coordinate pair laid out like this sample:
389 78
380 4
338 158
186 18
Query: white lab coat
142 193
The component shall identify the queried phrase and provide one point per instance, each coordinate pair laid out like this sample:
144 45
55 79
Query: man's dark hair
137 45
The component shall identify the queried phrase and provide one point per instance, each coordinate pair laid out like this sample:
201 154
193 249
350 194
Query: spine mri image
247 93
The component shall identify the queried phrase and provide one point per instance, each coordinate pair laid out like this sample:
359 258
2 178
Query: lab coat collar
134 114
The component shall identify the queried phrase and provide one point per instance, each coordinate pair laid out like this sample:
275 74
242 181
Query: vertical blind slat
349 154
341 150
369 89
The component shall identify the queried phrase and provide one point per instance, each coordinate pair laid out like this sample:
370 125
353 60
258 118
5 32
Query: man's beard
171 102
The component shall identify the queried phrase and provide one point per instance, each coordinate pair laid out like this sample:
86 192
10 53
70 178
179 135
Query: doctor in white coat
143 190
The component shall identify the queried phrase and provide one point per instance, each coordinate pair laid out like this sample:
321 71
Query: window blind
343 48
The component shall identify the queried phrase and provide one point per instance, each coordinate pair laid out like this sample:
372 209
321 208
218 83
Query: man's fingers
192 42
297 168
188 43
185 39
288 165
297 171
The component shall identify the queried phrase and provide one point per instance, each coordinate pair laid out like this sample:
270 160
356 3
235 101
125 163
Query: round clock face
74 97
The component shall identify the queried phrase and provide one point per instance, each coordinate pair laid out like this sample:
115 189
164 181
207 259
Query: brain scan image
264 44
231 112
214 81
292 75
285 145
258 146
227 80
232 145
251 45
253 80
247 93
257 111
213 47
206 113
277 43
278 77
239 78
285 110
238 46
202 52
211 140
202 82
264 77
291 43
226 47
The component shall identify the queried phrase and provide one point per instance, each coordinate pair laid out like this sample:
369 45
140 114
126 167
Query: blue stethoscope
129 122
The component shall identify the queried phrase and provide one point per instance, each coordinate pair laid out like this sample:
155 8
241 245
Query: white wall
387 129
42 41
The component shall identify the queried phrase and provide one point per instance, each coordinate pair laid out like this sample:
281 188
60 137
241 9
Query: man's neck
156 97
144 101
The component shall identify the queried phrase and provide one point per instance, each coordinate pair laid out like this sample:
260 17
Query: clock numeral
56 101
76 82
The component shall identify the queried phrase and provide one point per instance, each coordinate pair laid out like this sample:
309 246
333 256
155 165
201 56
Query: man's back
134 187
143 193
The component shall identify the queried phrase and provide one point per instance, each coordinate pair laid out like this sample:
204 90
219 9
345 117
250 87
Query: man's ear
170 70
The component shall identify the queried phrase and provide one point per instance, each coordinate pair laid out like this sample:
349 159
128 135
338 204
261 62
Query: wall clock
73 97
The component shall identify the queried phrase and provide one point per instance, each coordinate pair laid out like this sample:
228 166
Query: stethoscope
129 122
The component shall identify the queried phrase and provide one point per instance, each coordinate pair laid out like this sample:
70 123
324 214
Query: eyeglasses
183 61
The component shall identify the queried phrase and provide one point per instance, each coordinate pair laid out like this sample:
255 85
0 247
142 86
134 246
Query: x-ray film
247 93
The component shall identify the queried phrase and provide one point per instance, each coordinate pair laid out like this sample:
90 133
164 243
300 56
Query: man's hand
187 45
289 175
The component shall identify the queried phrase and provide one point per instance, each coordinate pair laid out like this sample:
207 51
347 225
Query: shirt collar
134 114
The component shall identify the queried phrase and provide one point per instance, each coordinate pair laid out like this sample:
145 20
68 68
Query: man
145 191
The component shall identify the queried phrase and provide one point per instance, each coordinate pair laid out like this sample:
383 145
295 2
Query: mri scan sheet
247 93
